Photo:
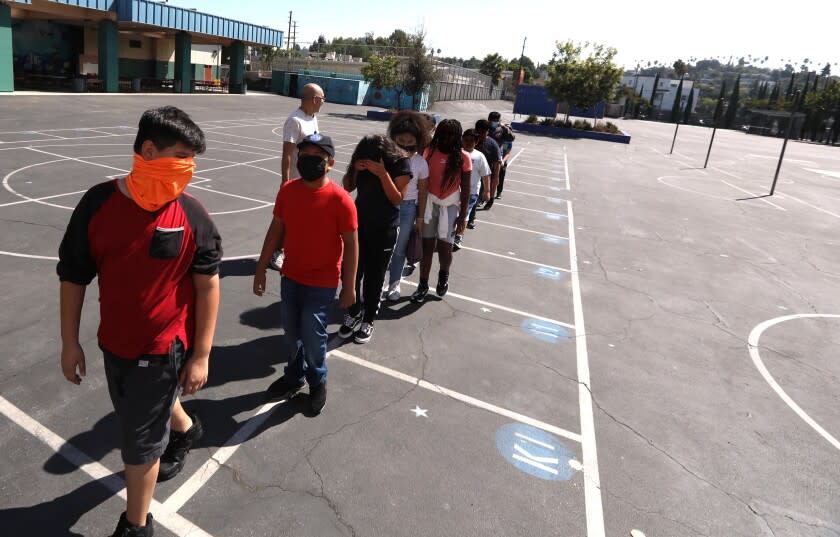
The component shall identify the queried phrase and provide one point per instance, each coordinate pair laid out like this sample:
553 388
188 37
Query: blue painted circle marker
535 452
550 273
546 331
555 240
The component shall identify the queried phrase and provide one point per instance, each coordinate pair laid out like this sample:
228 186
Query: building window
135 43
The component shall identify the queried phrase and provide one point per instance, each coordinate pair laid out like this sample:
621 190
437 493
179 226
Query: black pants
501 186
376 244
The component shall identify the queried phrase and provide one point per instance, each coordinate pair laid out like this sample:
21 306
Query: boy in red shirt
156 253
315 223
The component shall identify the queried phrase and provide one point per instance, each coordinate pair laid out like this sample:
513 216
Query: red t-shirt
437 168
314 221
144 261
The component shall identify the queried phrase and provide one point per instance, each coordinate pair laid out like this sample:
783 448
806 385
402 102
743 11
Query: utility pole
289 35
521 59
294 35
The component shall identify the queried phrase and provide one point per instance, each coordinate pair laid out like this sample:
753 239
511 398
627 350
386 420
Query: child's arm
349 263
485 182
273 242
72 354
194 375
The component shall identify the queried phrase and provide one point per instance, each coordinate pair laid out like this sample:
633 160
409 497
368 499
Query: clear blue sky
641 30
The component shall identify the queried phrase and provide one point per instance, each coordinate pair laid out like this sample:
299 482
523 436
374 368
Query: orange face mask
154 183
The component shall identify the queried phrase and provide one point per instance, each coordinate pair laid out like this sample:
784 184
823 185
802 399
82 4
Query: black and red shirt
144 261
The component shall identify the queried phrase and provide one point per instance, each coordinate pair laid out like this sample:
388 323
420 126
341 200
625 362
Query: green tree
789 92
689 105
655 86
382 72
826 71
680 68
583 82
492 65
420 70
398 39
719 104
675 109
732 109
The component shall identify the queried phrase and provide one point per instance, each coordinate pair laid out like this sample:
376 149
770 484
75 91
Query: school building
114 45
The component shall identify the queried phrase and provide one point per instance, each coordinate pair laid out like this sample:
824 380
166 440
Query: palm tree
492 66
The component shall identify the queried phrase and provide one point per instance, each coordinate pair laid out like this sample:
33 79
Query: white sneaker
276 262
394 292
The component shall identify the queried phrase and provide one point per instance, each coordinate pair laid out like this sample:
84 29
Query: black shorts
143 391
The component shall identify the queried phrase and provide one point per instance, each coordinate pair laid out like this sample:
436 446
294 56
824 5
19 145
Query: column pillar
7 75
109 56
237 67
183 62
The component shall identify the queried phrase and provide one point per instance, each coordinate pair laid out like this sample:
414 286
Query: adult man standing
492 153
300 124
504 136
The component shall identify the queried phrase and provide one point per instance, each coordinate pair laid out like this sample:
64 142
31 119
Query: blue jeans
408 212
304 310
471 207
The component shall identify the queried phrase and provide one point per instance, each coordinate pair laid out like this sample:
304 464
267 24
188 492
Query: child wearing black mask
381 172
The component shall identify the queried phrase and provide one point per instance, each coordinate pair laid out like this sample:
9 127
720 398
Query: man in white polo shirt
300 124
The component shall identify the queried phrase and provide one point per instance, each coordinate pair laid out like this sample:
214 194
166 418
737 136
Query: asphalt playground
631 342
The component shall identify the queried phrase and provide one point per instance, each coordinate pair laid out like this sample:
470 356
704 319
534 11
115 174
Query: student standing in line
315 221
503 135
300 124
409 130
380 172
493 154
444 207
156 253
480 176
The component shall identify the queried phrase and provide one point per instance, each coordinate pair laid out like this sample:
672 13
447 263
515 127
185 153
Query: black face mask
311 167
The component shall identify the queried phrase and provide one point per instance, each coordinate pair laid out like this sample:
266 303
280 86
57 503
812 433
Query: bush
582 125
609 127
547 122
531 119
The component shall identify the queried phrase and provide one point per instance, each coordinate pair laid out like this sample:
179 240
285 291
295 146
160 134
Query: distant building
663 96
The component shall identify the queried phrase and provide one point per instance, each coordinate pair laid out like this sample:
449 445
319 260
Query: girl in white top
409 130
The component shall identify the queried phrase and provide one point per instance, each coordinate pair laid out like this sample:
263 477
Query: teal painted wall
7 78
109 56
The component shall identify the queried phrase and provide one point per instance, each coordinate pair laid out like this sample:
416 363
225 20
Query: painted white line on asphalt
245 145
543 196
545 175
171 520
591 474
500 307
566 169
234 164
201 476
42 199
28 256
512 159
755 335
524 208
508 180
736 187
482 222
237 196
820 209
51 135
472 401
494 254
75 160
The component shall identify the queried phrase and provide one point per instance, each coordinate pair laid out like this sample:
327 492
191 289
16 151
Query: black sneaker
420 294
408 270
443 283
348 327
283 388
172 460
488 205
364 333
457 244
471 224
127 529
499 196
318 397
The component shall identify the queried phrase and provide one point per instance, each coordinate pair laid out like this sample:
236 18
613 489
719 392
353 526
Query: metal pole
289 35
675 138
784 145
709 152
